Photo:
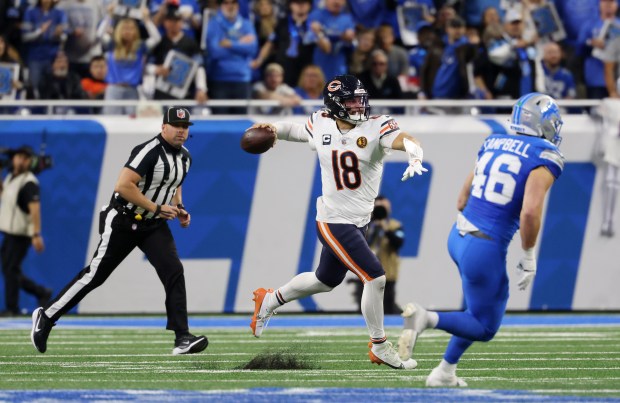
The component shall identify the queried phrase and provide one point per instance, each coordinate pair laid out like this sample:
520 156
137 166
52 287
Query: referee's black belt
131 214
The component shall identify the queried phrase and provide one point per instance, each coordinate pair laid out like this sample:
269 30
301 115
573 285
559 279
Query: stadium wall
253 217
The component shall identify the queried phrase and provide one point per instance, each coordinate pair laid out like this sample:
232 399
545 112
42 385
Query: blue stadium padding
310 240
68 195
566 219
286 395
218 193
300 321
496 127
409 201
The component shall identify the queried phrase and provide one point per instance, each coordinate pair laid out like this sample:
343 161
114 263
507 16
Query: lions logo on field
362 142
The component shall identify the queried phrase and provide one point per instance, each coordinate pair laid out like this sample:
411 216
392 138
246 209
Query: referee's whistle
138 217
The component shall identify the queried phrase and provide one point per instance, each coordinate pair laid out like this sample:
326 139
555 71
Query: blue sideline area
288 321
277 395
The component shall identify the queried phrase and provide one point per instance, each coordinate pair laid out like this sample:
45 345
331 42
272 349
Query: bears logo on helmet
334 86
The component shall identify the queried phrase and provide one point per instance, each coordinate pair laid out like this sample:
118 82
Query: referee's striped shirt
162 169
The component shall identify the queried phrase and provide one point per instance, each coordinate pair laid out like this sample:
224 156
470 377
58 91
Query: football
257 140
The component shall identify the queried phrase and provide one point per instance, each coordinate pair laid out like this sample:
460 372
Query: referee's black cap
176 114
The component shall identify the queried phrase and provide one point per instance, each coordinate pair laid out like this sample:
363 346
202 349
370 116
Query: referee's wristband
180 206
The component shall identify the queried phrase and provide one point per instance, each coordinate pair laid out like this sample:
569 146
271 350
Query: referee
146 195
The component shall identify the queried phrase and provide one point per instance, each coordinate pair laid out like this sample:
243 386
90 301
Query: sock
181 333
433 319
300 286
372 308
447 367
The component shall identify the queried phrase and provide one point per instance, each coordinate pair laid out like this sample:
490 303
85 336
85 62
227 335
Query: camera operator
20 221
385 236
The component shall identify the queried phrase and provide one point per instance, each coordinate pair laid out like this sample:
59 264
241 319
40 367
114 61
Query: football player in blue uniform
505 192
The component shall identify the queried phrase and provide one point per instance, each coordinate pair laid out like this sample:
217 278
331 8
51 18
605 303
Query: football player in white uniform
351 146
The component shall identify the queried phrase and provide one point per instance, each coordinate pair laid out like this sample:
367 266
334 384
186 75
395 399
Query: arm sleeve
553 160
201 79
288 131
28 194
154 35
141 160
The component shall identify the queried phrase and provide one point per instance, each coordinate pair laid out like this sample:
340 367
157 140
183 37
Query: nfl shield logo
181 113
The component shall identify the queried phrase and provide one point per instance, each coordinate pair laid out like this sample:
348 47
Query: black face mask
379 213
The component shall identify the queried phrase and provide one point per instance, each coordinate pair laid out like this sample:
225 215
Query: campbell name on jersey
503 166
351 166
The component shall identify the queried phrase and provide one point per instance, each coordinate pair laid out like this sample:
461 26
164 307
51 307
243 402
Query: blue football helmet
538 115
341 89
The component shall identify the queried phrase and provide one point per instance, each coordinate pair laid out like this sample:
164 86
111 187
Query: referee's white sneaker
41 328
440 378
190 344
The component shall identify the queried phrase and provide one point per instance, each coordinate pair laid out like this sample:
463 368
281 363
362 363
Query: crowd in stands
285 50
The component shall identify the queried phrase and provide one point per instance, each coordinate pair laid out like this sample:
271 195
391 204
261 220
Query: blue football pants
482 266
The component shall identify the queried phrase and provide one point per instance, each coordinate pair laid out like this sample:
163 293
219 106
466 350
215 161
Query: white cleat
384 353
416 321
442 379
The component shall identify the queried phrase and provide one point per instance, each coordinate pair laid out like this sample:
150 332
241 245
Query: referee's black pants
12 253
120 234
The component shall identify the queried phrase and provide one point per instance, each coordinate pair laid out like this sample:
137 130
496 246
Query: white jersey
351 166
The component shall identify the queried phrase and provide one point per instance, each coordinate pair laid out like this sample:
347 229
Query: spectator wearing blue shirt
231 46
590 48
333 31
451 78
368 13
42 30
189 10
126 58
575 14
559 82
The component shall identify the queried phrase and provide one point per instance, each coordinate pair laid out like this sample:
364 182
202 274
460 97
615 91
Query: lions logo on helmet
538 115
342 89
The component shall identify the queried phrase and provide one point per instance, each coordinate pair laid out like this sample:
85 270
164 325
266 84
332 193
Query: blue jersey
504 164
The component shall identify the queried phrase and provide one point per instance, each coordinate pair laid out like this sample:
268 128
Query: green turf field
582 361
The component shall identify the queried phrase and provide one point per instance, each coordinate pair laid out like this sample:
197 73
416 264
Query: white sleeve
291 132
153 35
